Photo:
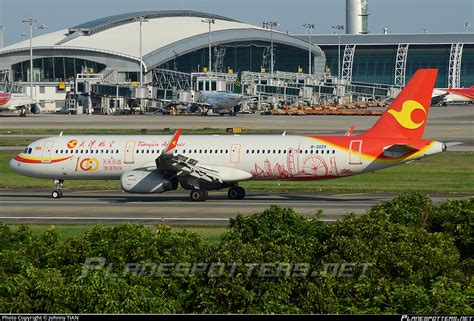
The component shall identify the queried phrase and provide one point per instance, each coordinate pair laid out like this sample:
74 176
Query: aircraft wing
189 168
398 150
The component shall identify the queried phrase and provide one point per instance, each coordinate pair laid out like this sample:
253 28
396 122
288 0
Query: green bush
412 209
456 217
406 256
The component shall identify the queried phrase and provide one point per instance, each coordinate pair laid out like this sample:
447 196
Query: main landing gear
58 192
236 193
200 195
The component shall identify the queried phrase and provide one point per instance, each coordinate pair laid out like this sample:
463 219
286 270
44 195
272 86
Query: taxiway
90 207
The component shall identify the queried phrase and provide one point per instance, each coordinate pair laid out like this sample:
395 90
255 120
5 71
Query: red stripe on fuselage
22 159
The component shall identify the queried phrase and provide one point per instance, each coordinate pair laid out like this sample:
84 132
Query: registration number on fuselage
318 146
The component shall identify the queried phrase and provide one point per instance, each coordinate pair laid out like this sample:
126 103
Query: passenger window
56 151
334 152
107 151
147 151
327 152
82 151
210 151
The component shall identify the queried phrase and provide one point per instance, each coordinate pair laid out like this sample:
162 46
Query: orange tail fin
406 117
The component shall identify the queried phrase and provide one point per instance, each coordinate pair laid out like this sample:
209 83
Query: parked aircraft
18 101
155 164
218 102
452 95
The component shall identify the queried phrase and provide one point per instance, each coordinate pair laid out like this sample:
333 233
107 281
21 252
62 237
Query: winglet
174 141
350 131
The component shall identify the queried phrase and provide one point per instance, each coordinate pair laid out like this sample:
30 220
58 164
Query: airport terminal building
175 40
394 58
179 41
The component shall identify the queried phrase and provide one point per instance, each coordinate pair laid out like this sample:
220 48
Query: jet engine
35 109
192 108
147 182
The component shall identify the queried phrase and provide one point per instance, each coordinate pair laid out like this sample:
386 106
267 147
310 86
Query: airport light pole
210 21
270 25
42 27
308 27
141 20
31 21
338 29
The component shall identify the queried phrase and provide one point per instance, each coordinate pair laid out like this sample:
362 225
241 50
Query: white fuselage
13 101
260 157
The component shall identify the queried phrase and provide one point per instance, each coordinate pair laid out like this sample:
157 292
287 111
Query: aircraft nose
14 165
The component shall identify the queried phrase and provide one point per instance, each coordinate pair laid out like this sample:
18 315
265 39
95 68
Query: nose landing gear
58 192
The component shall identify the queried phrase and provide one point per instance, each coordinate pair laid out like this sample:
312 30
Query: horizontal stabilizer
453 143
398 150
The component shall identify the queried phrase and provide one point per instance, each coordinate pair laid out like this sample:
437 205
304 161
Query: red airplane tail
406 117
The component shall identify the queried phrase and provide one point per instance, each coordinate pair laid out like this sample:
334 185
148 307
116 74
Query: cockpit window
27 151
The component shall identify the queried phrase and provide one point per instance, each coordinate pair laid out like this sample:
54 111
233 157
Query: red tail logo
406 117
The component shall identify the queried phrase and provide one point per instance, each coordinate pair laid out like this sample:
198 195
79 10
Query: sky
400 16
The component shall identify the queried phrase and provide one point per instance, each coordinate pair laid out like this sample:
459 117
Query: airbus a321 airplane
155 164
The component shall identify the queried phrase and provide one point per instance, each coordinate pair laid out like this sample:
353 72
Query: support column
401 64
347 62
455 59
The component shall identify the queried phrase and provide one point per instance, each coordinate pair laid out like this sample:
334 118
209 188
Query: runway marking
350 194
112 218
77 218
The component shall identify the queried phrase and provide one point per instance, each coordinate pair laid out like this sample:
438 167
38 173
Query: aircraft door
46 152
235 153
129 157
355 151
